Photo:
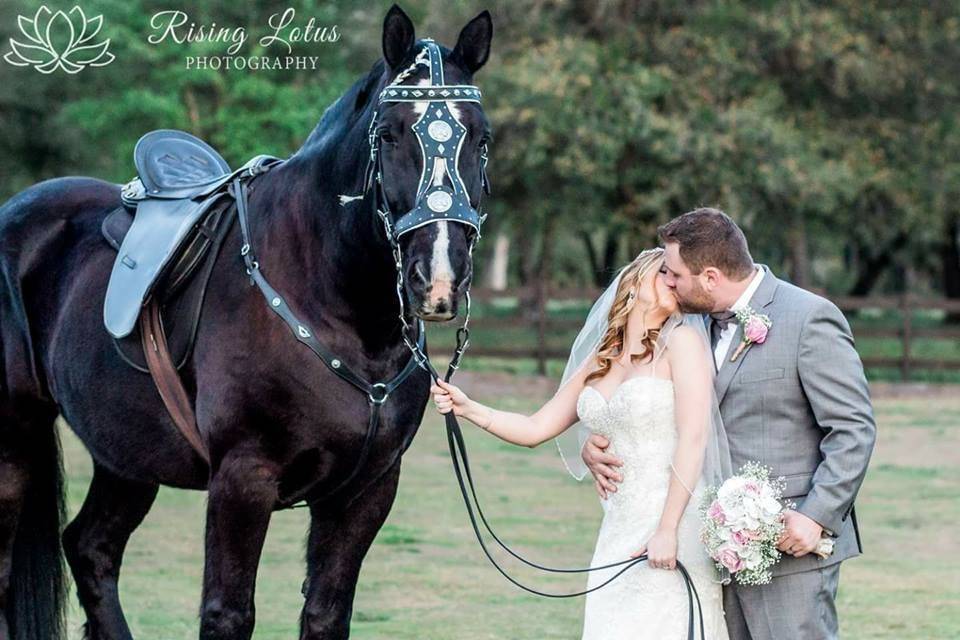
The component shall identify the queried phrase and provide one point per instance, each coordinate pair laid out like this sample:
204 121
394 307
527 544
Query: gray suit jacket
799 403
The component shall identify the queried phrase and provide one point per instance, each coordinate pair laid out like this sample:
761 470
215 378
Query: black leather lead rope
376 392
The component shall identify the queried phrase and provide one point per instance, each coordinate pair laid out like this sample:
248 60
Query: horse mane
342 116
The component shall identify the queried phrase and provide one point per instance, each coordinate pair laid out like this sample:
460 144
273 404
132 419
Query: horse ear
473 45
398 37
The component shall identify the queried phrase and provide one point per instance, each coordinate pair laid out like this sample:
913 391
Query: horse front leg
337 544
242 495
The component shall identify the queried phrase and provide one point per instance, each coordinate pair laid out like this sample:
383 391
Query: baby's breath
752 548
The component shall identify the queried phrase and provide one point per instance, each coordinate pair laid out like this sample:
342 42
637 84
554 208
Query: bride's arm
549 421
692 386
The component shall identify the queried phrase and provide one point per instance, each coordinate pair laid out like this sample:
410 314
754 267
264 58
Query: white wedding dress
643 602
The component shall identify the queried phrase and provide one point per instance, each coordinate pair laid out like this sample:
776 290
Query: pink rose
752 487
729 559
742 538
756 330
716 512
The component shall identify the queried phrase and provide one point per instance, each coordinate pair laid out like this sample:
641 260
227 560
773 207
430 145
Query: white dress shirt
726 336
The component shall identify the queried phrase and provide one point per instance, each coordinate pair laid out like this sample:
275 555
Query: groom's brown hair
709 238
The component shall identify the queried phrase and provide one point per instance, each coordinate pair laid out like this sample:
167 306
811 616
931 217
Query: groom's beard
697 301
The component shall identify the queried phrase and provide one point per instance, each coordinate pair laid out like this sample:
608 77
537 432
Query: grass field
425 577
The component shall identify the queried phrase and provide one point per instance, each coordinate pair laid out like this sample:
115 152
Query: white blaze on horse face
439 171
441 270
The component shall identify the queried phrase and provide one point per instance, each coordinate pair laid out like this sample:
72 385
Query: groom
797 402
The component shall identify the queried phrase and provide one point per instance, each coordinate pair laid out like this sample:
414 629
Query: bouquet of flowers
742 521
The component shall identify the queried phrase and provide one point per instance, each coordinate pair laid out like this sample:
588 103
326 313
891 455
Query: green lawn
426 578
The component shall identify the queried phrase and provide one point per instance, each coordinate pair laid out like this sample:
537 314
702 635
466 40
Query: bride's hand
661 550
449 397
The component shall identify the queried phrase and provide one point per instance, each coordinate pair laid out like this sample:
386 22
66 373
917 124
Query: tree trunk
527 298
873 264
950 261
593 261
610 265
602 265
799 252
499 261
544 269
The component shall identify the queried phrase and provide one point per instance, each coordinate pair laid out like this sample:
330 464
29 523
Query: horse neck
331 261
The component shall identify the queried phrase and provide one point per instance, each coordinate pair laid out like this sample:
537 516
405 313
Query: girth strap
168 383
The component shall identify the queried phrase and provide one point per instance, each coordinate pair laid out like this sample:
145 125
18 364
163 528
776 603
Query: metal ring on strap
383 389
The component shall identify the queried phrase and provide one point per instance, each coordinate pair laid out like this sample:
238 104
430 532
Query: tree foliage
829 130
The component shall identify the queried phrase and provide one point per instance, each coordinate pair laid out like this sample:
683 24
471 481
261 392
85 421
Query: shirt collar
751 289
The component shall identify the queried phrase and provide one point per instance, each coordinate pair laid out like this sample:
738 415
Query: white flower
731 488
771 506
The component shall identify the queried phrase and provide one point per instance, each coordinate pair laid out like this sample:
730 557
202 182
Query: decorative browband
407 93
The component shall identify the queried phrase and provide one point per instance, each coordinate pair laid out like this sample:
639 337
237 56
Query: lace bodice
638 419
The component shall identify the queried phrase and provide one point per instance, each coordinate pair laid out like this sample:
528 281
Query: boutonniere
755 328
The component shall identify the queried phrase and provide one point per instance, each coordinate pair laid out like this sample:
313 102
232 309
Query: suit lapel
762 297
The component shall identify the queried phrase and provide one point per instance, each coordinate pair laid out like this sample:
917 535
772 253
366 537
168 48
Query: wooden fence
534 318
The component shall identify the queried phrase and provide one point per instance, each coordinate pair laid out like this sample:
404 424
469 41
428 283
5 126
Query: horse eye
383 132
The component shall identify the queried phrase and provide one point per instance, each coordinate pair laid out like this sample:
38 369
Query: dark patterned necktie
720 321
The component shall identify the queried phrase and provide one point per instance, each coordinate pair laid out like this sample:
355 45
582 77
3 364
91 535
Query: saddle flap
159 228
181 288
171 160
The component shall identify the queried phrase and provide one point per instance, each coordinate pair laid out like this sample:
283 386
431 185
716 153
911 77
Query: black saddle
174 165
181 181
167 236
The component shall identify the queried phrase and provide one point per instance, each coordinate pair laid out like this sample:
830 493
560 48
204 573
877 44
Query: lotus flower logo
59 41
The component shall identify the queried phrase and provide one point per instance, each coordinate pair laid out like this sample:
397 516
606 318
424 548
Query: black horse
274 419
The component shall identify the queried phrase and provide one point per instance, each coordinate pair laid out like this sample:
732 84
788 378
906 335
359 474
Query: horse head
428 140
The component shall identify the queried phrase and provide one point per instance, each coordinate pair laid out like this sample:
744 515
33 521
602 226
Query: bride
640 375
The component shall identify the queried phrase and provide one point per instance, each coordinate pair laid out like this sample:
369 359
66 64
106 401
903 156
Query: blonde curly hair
611 345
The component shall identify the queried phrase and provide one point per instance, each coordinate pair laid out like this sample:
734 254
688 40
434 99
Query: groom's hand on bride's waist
601 464
801 535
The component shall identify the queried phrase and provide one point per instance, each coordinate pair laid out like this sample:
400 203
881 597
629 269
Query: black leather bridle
441 192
